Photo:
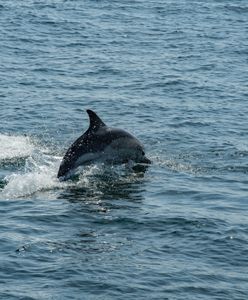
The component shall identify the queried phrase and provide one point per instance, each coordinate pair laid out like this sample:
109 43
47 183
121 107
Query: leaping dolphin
101 143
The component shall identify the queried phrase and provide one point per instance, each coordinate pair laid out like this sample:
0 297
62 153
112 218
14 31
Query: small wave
189 123
176 165
237 8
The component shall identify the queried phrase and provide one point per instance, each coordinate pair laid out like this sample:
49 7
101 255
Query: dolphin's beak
146 160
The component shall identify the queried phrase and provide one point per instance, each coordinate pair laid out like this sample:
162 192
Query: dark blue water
175 75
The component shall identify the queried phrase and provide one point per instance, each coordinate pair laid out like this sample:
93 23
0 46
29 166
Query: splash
39 170
15 146
39 174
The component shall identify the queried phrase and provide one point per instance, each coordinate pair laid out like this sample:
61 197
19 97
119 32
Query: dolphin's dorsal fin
95 121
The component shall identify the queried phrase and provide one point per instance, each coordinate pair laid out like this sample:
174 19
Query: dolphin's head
126 147
144 159
140 155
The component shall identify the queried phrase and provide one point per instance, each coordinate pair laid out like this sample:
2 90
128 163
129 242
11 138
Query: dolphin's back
81 145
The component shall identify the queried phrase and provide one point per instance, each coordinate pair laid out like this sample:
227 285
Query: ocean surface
175 75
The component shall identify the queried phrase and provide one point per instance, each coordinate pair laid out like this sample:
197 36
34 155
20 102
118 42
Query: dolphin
104 144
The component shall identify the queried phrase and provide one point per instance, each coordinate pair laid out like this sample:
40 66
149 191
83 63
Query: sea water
174 74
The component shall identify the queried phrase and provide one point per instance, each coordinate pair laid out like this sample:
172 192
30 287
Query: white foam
39 174
12 146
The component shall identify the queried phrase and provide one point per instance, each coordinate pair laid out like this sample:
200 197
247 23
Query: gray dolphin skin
104 144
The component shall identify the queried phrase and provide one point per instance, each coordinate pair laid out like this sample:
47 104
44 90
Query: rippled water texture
172 73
